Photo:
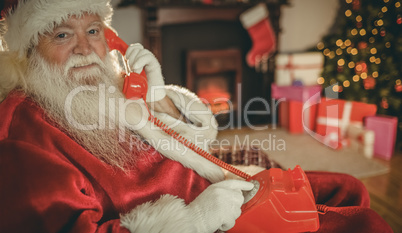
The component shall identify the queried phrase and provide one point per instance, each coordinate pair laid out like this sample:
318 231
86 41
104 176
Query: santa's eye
93 31
61 35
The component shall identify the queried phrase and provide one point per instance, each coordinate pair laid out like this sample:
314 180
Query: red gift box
283 114
297 113
335 115
384 128
296 116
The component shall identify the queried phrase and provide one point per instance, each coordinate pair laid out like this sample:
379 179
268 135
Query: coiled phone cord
195 148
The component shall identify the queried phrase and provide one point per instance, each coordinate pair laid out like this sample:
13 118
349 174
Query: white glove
140 58
218 206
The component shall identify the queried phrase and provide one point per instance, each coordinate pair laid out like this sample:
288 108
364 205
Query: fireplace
179 33
215 76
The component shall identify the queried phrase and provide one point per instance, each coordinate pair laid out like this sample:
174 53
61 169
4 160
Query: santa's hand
139 59
218 206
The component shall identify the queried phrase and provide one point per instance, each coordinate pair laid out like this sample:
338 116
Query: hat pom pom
12 69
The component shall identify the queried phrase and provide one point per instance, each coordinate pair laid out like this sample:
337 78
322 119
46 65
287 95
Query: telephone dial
281 201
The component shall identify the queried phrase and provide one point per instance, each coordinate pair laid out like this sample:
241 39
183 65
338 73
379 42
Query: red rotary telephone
135 85
281 201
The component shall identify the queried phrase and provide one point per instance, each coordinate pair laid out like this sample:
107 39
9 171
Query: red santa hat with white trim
23 21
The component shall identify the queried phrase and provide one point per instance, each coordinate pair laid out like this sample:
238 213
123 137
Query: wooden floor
386 193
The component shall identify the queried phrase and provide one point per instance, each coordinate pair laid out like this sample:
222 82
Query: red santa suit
50 183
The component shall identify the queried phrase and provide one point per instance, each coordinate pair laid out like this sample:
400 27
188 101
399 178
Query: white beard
51 85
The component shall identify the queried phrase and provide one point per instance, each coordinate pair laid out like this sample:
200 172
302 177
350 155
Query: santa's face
78 36
77 81
87 104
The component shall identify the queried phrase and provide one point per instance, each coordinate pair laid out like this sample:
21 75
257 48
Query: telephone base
284 203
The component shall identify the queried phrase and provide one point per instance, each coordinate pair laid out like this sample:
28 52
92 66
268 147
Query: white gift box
361 139
304 67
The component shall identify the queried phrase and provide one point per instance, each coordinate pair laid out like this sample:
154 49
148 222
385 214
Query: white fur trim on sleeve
167 214
201 133
193 109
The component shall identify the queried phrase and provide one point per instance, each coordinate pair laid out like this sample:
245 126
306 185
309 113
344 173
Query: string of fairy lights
358 48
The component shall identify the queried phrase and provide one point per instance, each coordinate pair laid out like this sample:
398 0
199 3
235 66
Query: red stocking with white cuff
256 21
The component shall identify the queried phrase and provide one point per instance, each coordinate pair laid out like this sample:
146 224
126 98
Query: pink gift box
384 128
296 93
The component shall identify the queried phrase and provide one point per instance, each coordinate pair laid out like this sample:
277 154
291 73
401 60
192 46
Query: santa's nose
83 47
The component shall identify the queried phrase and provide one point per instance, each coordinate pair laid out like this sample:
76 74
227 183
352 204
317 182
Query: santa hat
23 21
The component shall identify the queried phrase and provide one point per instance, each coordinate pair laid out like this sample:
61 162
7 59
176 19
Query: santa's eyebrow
96 23
60 26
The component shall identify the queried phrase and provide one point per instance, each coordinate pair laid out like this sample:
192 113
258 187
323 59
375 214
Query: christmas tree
363 56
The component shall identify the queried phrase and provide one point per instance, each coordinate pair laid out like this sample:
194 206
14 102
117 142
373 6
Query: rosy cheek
60 56
101 50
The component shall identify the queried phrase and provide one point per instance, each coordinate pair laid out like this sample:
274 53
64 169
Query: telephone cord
195 148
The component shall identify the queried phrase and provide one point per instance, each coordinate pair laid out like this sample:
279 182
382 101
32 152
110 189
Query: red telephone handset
135 85
281 201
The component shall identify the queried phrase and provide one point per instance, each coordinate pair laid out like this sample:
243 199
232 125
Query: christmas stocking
256 21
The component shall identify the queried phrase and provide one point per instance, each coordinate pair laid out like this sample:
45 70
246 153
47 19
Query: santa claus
76 156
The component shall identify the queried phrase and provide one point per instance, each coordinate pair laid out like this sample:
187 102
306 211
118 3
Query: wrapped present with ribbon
361 139
303 67
335 115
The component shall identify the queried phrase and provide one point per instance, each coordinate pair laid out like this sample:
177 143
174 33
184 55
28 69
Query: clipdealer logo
116 110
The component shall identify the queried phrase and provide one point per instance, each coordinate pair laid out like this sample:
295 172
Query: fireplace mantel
156 14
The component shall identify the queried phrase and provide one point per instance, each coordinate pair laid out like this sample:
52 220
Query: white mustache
81 65
76 61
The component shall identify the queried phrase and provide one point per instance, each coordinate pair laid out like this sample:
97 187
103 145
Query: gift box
295 123
298 106
297 93
304 67
335 115
283 114
384 128
296 117
361 140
